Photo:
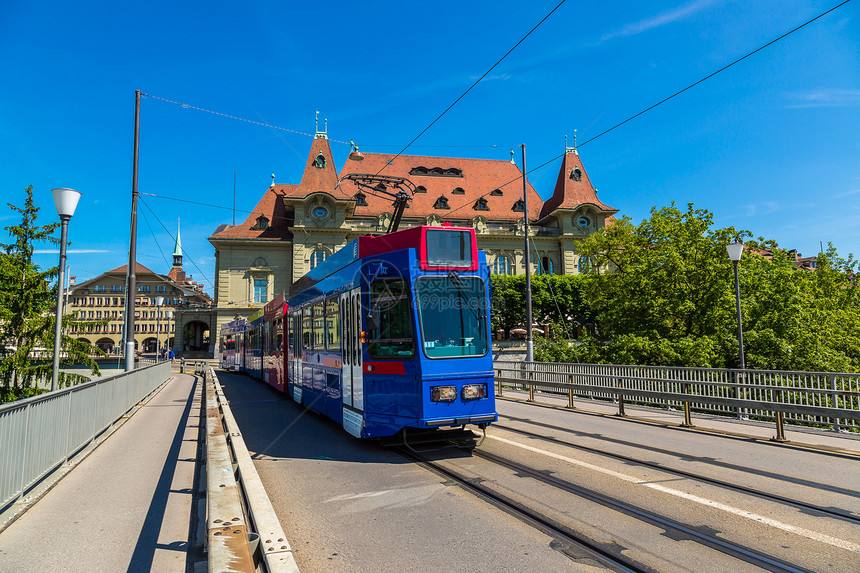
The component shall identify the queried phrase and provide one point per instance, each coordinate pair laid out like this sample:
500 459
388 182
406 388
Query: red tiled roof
272 206
138 268
569 193
316 179
479 178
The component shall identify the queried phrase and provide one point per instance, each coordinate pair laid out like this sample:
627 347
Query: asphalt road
348 505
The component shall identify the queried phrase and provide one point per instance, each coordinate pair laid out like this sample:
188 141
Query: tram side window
332 324
307 329
279 334
389 321
290 331
319 326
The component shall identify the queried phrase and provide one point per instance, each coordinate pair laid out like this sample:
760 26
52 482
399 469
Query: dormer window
458 191
421 189
496 193
519 206
441 203
319 161
421 170
436 171
262 222
360 199
576 174
481 205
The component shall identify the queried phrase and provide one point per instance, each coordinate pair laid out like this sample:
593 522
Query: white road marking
841 543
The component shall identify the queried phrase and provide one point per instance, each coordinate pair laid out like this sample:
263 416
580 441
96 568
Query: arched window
546 266
576 174
441 203
317 257
502 266
519 206
584 265
481 205
458 191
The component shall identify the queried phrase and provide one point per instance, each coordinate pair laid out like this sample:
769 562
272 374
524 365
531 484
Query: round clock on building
320 213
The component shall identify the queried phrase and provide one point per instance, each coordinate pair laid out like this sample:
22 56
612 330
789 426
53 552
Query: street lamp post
159 300
735 251
66 201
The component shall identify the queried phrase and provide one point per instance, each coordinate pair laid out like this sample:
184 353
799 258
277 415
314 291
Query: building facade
103 298
296 226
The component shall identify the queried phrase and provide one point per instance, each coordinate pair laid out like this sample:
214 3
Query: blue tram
253 345
232 345
392 332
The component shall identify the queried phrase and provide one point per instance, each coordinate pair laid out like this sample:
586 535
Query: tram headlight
443 393
474 391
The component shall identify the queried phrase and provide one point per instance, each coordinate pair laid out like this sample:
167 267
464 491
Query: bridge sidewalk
128 505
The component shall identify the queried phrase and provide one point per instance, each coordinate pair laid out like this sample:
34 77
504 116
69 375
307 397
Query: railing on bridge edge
819 399
242 528
40 434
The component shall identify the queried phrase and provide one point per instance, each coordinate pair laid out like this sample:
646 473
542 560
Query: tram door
297 356
353 387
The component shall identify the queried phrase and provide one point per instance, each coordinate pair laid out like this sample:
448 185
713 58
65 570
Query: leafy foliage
27 300
662 292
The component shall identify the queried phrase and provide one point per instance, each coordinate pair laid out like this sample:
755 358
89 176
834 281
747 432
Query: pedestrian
170 355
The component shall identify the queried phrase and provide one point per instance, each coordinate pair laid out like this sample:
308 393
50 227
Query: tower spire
177 248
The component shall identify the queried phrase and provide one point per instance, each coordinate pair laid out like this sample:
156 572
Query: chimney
72 281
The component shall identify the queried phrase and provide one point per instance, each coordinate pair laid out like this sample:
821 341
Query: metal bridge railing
818 399
39 434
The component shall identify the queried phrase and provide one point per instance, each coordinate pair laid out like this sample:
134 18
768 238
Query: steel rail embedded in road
823 511
740 552
539 522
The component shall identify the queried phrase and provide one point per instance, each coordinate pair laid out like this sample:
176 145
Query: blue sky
770 145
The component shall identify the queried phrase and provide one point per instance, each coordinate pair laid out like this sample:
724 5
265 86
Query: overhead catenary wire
476 82
155 240
664 100
169 234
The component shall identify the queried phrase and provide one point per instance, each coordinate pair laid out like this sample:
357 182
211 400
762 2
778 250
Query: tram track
808 507
575 545
602 552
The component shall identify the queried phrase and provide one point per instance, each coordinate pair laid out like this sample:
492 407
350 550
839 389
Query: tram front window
453 315
389 323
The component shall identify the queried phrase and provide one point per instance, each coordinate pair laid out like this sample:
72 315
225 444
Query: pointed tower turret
176 273
177 249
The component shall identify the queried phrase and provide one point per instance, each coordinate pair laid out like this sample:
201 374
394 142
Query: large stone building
296 226
103 298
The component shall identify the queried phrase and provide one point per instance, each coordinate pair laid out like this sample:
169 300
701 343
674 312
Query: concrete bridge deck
130 505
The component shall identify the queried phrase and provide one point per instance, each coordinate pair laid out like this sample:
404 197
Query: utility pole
131 290
530 354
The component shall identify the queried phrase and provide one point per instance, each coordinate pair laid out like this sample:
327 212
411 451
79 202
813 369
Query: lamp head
159 300
66 201
735 251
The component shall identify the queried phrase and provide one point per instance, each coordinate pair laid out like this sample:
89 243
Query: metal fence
819 399
39 434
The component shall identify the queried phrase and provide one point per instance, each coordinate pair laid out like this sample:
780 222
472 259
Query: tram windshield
453 315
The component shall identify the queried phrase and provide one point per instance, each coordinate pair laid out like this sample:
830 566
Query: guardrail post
835 397
531 383
570 391
780 422
688 422
500 382
620 400
182 366
739 379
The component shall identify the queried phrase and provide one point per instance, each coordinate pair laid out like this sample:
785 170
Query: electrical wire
476 82
664 100
146 220
169 234
188 106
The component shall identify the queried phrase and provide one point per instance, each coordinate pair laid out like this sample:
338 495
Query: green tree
662 292
27 299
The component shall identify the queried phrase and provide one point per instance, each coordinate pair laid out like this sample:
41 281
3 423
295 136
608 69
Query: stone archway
195 336
106 344
149 345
